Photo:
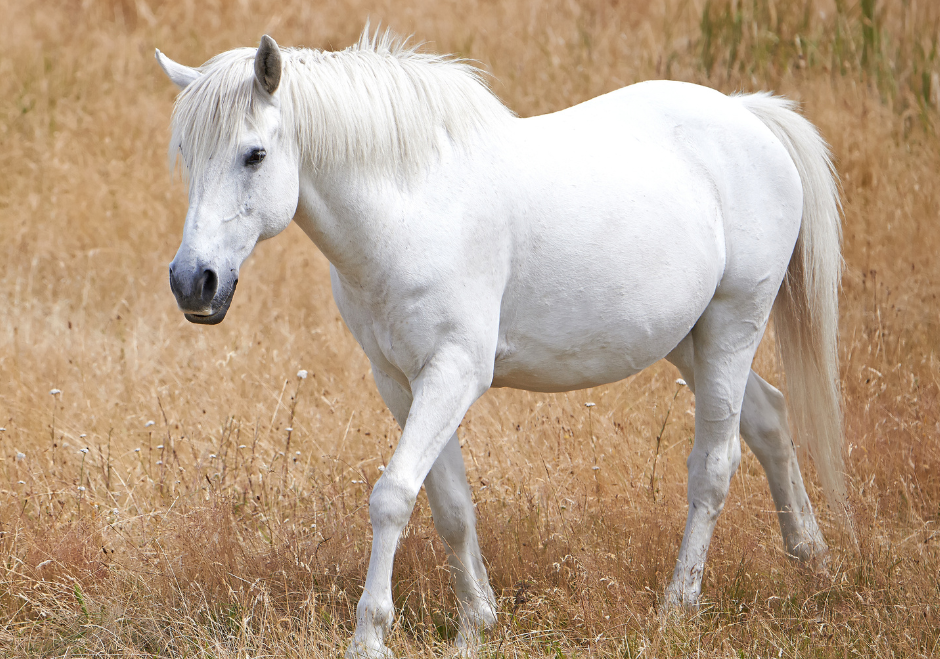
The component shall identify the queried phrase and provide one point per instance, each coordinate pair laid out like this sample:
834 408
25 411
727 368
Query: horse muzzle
202 297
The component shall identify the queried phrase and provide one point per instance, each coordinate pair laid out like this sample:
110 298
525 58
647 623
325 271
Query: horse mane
380 106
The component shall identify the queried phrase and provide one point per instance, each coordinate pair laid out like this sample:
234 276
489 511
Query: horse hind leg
765 429
718 376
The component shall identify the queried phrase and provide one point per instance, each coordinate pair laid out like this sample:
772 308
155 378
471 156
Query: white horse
472 249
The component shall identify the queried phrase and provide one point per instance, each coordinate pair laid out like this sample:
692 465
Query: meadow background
221 507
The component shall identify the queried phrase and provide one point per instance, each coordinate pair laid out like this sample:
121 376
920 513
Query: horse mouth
215 317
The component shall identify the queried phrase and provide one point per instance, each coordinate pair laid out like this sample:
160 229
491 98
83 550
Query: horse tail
806 311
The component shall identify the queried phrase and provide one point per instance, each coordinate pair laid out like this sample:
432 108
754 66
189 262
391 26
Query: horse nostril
174 285
206 286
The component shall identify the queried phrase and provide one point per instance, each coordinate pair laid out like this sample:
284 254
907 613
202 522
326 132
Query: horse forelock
210 112
379 106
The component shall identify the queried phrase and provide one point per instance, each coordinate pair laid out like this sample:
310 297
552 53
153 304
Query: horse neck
362 175
347 216
371 228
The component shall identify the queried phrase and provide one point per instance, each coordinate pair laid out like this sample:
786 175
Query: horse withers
472 249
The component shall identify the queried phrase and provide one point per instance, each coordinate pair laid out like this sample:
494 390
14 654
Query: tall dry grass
216 531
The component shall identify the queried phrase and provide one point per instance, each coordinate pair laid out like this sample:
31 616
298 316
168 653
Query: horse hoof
812 556
469 644
677 604
362 650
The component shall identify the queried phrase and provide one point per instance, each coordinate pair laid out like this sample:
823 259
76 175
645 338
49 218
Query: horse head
242 168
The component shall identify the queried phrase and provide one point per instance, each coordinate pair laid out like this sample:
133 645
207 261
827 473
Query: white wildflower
55 392
136 450
20 457
589 404
148 424
81 488
681 382
83 451
302 374
159 446
21 482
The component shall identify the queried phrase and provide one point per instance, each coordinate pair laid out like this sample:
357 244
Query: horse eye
255 157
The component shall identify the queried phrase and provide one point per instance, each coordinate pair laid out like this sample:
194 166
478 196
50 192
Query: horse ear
268 64
179 74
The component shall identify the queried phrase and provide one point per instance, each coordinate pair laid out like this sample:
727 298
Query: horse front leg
452 507
441 395
449 495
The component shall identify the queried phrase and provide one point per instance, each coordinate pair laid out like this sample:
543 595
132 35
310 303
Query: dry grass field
198 525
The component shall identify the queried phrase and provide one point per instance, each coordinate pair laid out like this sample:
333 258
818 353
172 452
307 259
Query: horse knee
390 504
770 442
764 425
710 475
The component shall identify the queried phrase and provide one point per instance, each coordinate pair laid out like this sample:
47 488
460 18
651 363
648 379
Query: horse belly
614 267
560 345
